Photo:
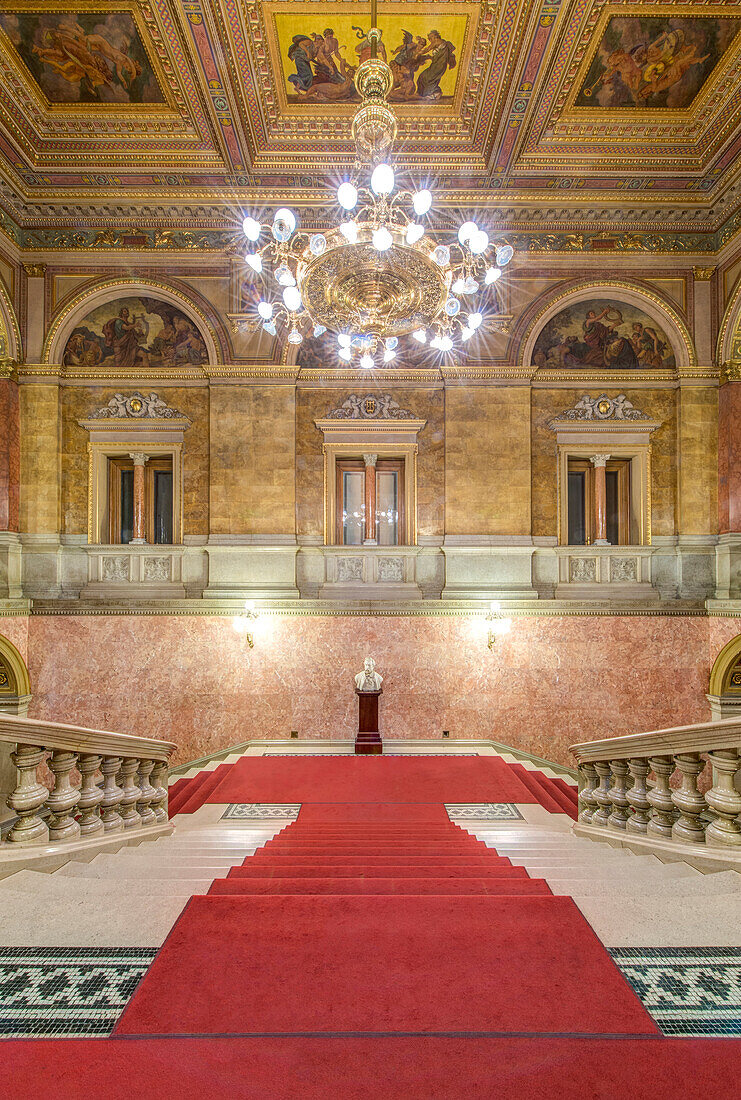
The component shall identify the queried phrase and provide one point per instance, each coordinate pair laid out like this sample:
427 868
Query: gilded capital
8 368
702 274
35 271
731 371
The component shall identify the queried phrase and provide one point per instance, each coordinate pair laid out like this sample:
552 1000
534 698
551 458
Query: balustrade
651 786
122 787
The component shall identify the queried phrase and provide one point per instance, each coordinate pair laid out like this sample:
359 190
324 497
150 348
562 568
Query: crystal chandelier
380 274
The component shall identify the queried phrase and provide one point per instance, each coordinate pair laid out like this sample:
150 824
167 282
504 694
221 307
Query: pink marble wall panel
15 629
552 681
10 454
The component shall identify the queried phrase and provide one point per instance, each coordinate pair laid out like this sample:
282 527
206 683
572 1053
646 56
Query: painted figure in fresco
81 352
124 334
406 59
82 58
648 347
363 48
317 75
441 55
301 53
604 336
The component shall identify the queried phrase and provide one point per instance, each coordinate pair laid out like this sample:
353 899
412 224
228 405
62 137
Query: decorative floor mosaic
256 811
480 811
689 991
67 992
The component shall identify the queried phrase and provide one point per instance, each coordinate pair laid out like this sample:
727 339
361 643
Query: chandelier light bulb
270 328
292 299
287 216
295 337
391 342
284 276
265 310
492 274
347 196
319 330
388 355
474 320
422 201
466 333
478 242
366 361
317 244
466 231
382 180
458 286
349 231
345 353
470 286
441 255
452 306
382 239
504 252
251 229
446 344
420 335
435 342
344 340
254 259
415 232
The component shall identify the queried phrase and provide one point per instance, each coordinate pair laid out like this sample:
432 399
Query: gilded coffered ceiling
170 116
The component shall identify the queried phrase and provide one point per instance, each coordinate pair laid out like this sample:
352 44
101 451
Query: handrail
58 735
671 815
701 737
97 807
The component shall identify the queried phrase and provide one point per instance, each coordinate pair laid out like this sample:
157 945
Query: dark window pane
613 507
353 507
577 514
127 505
387 508
163 506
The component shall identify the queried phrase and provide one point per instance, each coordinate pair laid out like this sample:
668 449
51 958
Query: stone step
723 883
52 885
114 870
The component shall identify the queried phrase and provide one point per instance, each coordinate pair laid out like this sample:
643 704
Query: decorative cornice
370 407
137 407
600 408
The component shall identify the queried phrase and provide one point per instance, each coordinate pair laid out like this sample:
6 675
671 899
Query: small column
618 819
688 800
601 794
587 785
637 796
28 797
112 794
370 500
63 799
91 795
147 794
600 499
140 461
10 447
660 798
159 782
724 799
130 796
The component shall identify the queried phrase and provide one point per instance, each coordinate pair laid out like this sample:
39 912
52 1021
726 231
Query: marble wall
10 454
552 681
40 466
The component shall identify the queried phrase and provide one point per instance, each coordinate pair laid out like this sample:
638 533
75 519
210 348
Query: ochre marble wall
487 460
253 460
79 402
426 403
552 681
658 404
698 467
40 465
10 455
729 457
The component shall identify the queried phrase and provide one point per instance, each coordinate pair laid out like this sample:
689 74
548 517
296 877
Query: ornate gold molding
35 271
731 371
703 274
9 369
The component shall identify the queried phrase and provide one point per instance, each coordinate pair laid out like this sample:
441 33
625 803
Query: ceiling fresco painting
135 332
655 62
606 335
320 54
94 57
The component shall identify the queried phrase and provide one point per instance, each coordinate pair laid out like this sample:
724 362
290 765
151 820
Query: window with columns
140 499
598 502
369 506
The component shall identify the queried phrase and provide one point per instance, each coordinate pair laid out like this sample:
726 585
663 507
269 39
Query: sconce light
244 624
498 624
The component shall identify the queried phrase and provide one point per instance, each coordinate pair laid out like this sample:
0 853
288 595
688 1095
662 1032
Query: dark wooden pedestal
368 740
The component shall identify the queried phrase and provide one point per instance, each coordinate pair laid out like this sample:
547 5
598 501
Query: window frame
384 463
121 463
620 465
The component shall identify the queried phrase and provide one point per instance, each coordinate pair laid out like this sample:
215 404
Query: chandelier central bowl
389 293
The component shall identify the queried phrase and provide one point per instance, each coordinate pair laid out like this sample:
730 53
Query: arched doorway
724 692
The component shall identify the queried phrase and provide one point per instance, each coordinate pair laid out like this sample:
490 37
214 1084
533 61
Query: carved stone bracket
370 407
137 407
601 408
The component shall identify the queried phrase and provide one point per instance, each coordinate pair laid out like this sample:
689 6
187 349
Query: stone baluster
130 796
28 797
147 794
159 782
601 794
660 798
688 800
91 795
587 801
618 819
64 797
724 799
112 794
637 796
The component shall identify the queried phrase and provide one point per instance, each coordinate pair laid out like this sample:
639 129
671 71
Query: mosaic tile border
689 991
483 811
67 992
256 811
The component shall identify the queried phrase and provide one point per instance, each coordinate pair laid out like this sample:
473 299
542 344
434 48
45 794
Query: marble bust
368 679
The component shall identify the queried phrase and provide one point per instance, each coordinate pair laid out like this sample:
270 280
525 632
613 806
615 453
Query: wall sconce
498 624
244 624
